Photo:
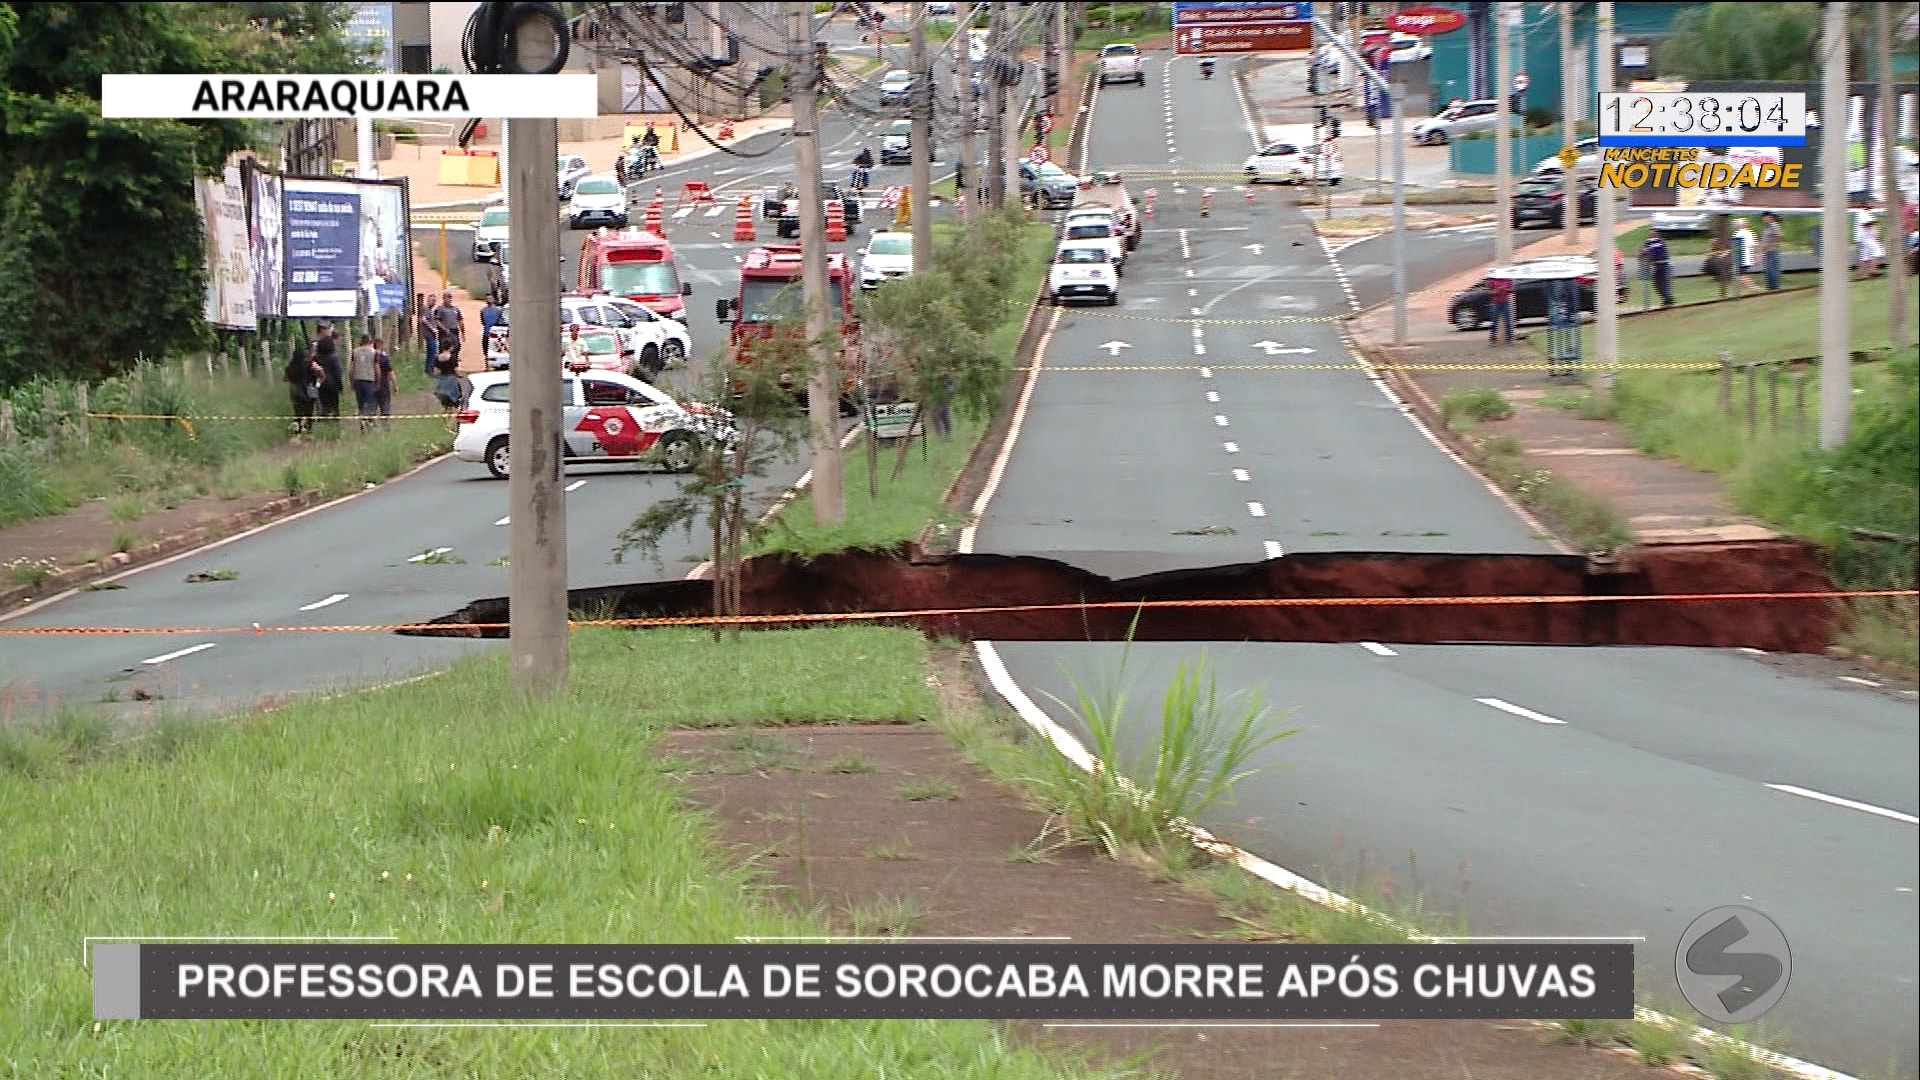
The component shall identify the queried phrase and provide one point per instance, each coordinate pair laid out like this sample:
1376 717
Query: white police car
606 418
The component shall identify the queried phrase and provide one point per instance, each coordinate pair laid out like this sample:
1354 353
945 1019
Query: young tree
770 426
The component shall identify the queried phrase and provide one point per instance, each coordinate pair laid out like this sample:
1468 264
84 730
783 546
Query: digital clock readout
1703 120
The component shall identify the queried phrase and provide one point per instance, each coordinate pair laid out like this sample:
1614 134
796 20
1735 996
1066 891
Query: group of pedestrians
442 330
317 376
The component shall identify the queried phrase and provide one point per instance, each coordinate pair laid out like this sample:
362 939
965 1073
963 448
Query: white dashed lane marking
425 555
1213 397
328 602
576 485
1256 509
178 653
1243 476
1850 804
1377 649
1273 550
1219 421
1509 707
1231 447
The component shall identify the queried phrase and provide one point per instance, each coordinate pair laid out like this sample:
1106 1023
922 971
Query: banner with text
223 216
348 97
346 248
1251 982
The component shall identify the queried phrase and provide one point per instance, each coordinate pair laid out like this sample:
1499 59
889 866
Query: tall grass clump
1201 747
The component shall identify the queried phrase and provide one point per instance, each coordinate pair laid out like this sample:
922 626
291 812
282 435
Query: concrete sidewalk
420 165
1662 501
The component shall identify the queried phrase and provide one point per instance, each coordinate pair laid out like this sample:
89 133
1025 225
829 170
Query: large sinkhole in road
1795 617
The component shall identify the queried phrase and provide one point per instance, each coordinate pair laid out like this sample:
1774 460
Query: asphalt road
1532 790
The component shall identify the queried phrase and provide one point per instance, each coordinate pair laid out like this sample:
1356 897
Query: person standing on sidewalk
429 342
1745 244
362 369
326 355
489 318
386 384
1770 249
1501 291
1660 261
451 324
303 386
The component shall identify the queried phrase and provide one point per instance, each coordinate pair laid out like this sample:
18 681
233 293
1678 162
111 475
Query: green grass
480 818
1796 234
905 506
1583 520
1475 405
1466 196
1756 327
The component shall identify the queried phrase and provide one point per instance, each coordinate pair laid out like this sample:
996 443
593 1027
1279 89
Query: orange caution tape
1011 609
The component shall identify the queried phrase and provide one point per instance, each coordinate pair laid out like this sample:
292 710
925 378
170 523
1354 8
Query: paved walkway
1663 501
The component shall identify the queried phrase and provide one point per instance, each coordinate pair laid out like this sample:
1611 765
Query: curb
166 549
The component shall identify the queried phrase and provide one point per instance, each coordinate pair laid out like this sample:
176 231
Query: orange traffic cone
656 218
836 223
743 220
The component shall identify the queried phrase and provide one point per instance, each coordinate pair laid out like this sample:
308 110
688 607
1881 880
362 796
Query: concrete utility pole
1606 304
536 491
922 176
1893 222
967 169
1061 62
996 105
1569 123
823 381
366 153
1836 360
506 164
1503 138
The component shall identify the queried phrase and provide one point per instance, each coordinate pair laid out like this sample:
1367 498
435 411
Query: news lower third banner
348 97
1244 982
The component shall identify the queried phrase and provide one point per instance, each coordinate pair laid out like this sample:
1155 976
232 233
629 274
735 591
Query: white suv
490 234
597 200
1083 271
1101 227
606 418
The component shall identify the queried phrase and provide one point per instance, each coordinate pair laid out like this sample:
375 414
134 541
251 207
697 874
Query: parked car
1083 270
606 417
1458 119
887 255
1472 309
597 200
1292 163
1058 187
1122 63
1542 200
489 232
1097 226
650 342
1407 48
897 87
571 170
1589 160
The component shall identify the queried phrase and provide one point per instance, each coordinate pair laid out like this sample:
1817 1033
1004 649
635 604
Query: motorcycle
1206 69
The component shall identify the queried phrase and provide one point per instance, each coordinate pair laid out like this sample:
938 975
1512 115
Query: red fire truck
771 301
635 264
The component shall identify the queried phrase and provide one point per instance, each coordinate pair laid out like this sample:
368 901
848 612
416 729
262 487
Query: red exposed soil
949 589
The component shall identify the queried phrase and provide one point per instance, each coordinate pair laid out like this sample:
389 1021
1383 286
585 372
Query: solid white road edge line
1857 681
1509 707
1377 649
1850 804
793 492
178 653
999 470
195 552
576 485
328 602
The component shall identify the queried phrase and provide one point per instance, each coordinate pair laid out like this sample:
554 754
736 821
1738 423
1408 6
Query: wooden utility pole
823 381
921 178
996 68
1893 224
536 489
967 170
1836 360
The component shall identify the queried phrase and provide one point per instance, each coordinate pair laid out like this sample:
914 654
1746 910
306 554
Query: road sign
1569 157
1427 21
1037 155
890 198
1521 82
1185 14
1243 37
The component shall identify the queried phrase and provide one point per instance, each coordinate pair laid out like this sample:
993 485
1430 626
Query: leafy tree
101 244
1768 41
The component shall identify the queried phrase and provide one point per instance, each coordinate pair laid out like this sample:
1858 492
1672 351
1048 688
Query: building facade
1464 62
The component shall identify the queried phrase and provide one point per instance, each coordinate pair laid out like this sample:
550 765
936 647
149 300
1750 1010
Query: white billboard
347 248
229 250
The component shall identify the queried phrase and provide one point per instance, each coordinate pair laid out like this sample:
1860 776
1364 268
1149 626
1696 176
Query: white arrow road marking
1274 348
1835 800
1113 348
1255 248
425 555
178 653
1508 707
576 485
1377 649
508 520
328 602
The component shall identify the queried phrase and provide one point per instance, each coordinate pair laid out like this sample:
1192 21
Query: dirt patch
889 829
956 593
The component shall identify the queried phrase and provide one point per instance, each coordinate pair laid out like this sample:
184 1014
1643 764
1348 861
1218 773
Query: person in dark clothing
385 382
1660 261
452 326
326 356
429 342
303 386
